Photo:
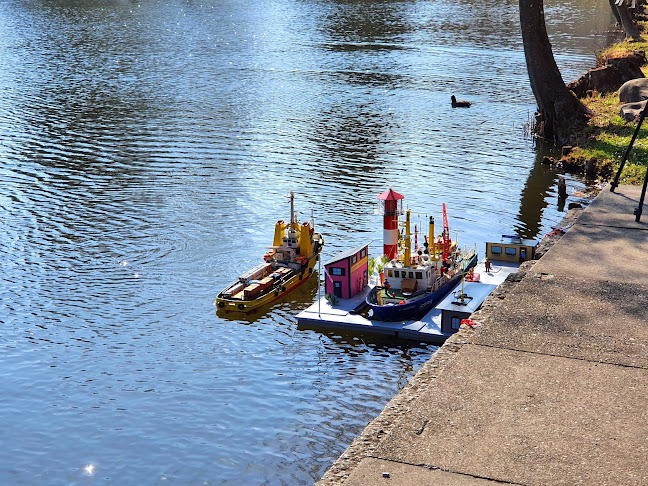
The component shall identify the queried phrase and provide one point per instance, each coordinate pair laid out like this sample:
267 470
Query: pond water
147 149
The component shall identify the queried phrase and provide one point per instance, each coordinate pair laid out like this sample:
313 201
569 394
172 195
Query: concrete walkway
551 388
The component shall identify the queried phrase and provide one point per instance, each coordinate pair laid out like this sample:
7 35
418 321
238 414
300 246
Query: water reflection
367 23
349 140
534 197
291 304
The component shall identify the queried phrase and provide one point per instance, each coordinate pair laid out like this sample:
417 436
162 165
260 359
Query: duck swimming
459 103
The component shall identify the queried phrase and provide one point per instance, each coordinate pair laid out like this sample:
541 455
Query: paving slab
377 472
585 319
616 209
528 419
599 253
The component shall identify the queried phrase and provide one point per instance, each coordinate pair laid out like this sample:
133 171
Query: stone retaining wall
367 442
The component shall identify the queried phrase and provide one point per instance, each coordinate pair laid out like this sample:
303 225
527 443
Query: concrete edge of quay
366 444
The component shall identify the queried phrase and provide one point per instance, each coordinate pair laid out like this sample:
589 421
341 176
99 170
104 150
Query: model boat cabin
511 249
348 273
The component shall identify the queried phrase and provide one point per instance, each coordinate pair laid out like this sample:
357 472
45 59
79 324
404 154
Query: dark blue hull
417 307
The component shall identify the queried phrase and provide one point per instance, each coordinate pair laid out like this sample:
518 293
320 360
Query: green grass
606 139
621 48
607 136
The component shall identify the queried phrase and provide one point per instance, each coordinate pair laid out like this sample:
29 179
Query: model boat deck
322 314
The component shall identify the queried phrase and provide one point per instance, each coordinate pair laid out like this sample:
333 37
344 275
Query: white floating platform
322 314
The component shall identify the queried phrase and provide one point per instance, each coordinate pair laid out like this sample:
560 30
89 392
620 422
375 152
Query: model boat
288 263
415 281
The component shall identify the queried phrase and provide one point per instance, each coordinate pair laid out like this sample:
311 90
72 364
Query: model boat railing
437 283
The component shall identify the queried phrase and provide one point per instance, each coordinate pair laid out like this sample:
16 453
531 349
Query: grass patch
606 140
603 143
621 50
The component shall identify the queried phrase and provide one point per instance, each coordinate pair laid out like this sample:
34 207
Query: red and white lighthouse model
391 211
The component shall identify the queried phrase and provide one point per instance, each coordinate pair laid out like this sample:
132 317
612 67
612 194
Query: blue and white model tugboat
415 281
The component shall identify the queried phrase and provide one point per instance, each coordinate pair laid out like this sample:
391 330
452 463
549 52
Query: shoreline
366 444
595 150
548 388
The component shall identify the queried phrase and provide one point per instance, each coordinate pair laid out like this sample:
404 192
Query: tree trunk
615 12
629 27
559 111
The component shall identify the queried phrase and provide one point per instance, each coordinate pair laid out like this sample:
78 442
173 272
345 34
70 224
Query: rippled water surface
147 148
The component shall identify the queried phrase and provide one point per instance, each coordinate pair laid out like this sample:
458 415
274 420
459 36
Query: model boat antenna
293 216
446 235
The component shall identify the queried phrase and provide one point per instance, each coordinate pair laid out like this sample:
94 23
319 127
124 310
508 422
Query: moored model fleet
412 281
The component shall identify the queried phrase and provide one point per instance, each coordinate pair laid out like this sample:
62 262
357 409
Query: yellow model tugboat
289 262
